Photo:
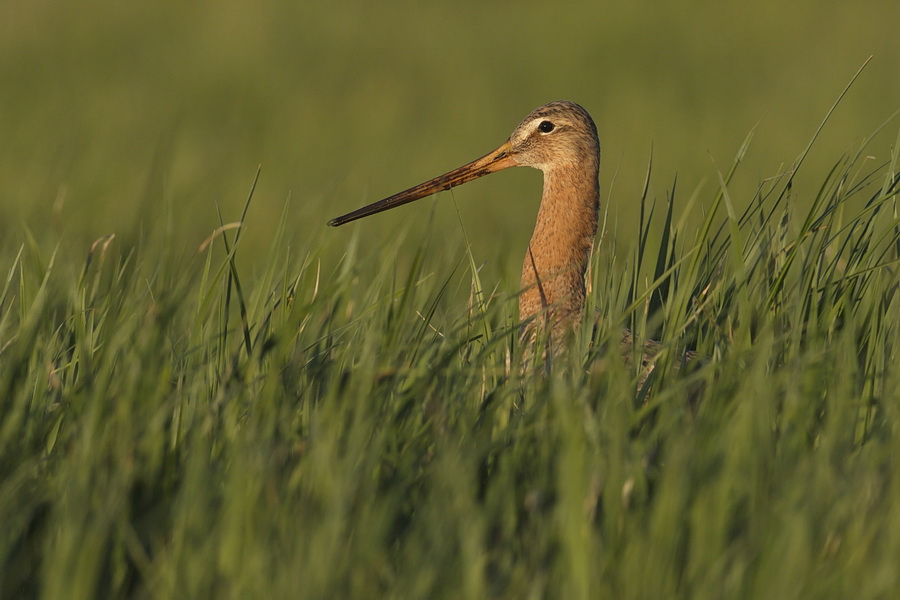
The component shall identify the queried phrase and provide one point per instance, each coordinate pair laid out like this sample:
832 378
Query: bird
561 140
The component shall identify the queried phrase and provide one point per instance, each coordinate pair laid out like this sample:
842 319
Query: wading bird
561 140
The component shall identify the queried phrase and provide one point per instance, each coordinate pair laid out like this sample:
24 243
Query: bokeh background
140 119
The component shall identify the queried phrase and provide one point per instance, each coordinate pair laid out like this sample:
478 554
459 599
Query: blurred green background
139 118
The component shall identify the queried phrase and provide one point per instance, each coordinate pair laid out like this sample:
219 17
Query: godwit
560 139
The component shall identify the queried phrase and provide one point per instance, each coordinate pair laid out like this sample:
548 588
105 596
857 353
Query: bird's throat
554 267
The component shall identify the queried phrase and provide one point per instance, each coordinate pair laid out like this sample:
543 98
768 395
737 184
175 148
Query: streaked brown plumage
561 140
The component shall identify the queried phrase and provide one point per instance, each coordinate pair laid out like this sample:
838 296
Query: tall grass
173 426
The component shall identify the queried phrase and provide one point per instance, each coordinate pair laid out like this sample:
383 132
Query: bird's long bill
489 163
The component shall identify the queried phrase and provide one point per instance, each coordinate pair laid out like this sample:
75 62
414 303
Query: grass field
206 393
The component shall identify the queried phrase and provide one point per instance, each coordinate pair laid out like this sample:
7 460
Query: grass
289 411
173 424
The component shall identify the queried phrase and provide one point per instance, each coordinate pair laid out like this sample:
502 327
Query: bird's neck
557 255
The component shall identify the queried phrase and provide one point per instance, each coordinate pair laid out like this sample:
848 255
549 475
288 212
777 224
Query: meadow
207 393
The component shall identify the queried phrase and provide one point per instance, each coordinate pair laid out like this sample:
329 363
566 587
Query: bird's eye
546 126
